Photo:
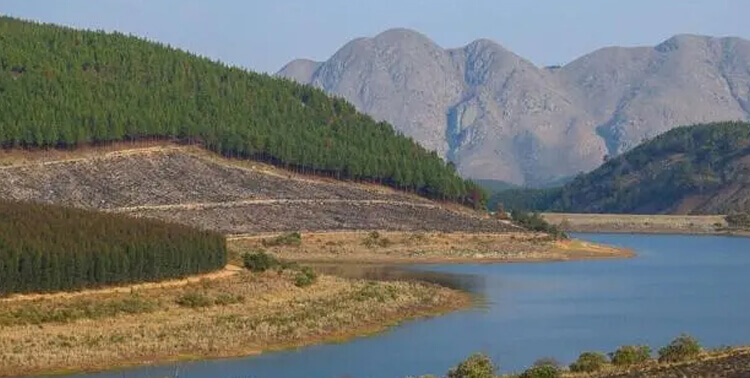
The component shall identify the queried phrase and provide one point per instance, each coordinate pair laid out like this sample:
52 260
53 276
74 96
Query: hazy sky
266 34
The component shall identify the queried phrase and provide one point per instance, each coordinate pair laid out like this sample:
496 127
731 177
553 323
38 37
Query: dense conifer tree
61 88
47 248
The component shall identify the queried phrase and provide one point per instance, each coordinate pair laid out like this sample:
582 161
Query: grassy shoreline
151 327
388 247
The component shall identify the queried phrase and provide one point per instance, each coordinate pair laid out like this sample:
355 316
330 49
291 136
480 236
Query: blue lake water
694 284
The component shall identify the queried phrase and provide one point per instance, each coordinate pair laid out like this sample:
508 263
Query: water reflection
460 281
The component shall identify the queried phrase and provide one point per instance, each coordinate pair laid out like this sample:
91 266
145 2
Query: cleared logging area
165 176
189 185
323 216
45 248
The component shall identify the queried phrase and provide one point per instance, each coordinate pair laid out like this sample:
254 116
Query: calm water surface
695 284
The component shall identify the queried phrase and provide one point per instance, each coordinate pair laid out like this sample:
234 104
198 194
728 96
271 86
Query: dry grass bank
241 314
635 223
425 247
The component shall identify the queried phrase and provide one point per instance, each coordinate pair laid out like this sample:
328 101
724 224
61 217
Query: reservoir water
694 284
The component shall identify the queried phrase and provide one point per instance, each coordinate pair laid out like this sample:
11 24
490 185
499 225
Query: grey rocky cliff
498 116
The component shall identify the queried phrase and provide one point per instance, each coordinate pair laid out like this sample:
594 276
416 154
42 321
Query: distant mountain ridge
498 116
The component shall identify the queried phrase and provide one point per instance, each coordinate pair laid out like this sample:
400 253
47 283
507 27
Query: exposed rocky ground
189 185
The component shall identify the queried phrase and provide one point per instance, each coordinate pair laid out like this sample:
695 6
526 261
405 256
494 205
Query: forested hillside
62 88
700 169
47 248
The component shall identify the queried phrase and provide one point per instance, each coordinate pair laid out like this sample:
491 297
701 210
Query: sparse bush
547 361
374 239
589 362
380 293
477 365
535 222
259 261
631 355
683 348
194 299
289 239
305 277
542 371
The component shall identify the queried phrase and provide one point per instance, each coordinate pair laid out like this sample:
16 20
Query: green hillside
47 248
62 88
699 169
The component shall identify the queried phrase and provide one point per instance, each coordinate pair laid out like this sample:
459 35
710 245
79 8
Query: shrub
477 365
194 299
683 348
630 355
288 239
374 239
535 222
305 277
589 362
542 371
259 261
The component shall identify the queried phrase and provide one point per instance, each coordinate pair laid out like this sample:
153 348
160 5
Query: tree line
61 88
46 248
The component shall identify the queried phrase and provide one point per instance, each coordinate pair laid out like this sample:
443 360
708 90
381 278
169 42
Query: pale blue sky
265 35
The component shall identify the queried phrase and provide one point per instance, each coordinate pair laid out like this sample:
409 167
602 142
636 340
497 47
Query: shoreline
654 224
368 330
405 248
411 305
367 308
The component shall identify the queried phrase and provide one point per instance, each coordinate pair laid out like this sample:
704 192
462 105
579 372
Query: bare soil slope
189 185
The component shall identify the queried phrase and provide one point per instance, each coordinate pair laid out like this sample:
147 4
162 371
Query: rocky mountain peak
498 116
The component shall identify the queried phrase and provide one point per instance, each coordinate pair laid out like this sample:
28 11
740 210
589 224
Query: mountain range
497 116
